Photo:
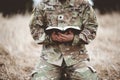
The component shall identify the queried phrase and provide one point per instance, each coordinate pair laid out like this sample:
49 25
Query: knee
85 73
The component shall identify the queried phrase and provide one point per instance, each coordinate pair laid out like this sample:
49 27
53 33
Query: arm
89 27
37 25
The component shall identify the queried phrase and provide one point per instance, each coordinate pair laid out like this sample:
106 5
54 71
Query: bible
74 29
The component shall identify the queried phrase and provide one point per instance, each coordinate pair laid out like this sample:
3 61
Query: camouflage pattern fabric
46 71
74 13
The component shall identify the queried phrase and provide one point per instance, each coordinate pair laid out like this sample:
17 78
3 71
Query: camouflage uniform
69 57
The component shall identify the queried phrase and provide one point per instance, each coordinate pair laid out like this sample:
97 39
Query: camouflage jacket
75 13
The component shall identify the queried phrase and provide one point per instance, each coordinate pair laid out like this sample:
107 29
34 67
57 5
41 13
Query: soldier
64 55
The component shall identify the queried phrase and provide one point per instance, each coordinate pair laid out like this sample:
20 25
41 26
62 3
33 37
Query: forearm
89 27
36 25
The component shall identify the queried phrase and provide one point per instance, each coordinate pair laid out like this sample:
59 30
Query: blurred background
19 54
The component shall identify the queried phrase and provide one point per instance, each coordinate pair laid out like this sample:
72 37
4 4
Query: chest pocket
51 15
71 16
76 17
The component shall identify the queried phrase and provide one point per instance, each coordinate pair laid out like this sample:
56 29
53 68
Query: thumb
53 33
70 32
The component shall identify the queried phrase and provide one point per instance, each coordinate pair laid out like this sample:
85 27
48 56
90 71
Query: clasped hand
62 37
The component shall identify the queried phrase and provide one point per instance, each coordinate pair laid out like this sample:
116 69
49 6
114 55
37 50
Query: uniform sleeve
37 25
89 27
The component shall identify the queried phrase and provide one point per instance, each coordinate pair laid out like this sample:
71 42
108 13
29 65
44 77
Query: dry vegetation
104 50
19 53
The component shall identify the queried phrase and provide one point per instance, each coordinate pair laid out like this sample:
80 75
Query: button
60 17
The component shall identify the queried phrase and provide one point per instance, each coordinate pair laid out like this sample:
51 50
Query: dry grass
16 41
104 50
19 53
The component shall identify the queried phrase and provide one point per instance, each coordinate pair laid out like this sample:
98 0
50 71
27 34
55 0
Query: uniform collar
51 2
56 2
67 3
76 2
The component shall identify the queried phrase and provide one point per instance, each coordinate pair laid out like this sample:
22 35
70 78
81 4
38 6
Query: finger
54 37
53 32
59 39
68 38
70 32
60 33
63 38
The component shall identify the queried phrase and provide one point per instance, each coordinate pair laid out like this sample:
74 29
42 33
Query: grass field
19 53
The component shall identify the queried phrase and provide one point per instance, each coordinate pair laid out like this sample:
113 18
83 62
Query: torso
63 15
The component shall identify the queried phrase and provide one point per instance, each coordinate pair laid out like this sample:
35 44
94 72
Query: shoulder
86 2
39 6
82 3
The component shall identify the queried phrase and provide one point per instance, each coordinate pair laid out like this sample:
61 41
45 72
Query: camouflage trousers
47 71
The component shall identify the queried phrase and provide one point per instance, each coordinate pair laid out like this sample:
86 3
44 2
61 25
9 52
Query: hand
62 37
67 36
56 37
